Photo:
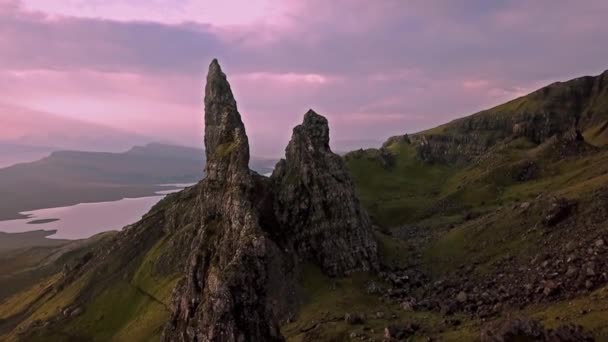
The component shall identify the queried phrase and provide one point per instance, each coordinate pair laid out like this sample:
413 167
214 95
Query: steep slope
575 107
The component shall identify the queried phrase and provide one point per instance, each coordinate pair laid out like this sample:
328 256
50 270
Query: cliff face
254 231
561 110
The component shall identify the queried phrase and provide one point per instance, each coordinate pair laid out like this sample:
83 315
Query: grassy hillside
115 286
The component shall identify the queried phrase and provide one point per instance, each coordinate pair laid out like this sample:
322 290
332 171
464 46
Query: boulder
399 332
353 319
558 211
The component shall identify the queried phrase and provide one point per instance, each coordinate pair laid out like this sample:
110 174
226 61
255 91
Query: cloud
375 68
33 41
30 127
227 12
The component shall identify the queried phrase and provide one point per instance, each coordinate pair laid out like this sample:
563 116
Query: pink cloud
284 79
224 13
374 68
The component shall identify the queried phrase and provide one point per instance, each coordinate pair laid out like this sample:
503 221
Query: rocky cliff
254 231
561 110
315 201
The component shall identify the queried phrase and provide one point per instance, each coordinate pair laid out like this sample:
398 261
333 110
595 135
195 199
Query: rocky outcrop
253 232
315 201
224 296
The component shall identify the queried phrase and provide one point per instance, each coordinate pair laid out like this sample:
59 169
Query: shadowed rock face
253 231
316 203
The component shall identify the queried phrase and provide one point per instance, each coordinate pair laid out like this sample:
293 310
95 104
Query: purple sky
105 74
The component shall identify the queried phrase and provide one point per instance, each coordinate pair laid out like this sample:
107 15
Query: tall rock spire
224 294
226 143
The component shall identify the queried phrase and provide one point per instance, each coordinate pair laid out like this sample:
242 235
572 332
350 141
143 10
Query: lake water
86 219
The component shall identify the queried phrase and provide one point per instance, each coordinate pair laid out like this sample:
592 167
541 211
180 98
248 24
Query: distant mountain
149 164
70 177
12 153
167 151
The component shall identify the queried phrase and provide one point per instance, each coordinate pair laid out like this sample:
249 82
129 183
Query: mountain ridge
575 107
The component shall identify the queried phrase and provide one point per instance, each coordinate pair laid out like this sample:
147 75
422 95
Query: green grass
116 311
483 240
22 300
594 319
147 278
327 300
116 306
397 194
393 251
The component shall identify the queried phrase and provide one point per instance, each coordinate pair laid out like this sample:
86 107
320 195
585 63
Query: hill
490 227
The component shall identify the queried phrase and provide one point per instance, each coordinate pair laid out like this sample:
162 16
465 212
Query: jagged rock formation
253 231
326 224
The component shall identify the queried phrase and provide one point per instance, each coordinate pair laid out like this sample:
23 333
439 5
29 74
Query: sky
107 74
